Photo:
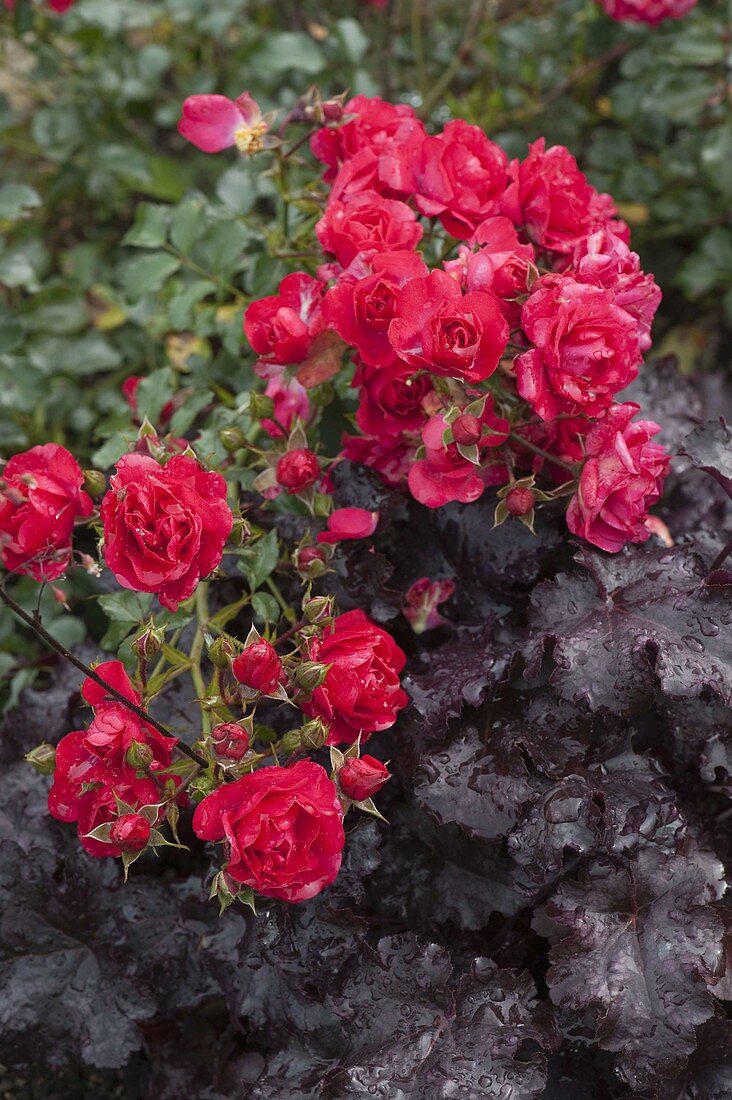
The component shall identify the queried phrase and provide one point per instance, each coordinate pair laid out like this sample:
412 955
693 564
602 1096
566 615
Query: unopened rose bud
233 439
139 756
467 430
332 110
130 832
297 470
221 651
362 777
42 758
230 740
201 786
310 562
310 675
148 642
318 609
95 483
241 533
260 406
519 501
259 667
314 734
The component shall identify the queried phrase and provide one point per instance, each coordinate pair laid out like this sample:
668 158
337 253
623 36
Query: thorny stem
36 625
542 453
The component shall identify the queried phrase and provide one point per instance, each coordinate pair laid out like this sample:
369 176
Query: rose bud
467 430
259 667
130 832
297 470
519 501
139 756
318 609
362 777
95 483
42 758
310 675
314 734
261 406
221 651
230 740
232 438
309 562
149 642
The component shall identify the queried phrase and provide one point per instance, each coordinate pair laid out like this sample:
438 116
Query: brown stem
37 627
542 453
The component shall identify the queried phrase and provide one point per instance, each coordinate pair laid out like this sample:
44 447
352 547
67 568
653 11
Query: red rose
443 474
362 778
214 122
391 399
298 469
113 731
460 177
585 348
605 260
377 126
349 523
282 327
230 740
502 265
259 667
390 456
164 526
283 829
363 303
291 403
552 199
437 329
130 832
652 12
40 497
361 692
365 221
621 479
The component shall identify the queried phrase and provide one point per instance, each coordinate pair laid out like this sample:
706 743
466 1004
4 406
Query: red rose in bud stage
213 123
297 470
519 502
130 832
467 429
437 329
421 601
443 475
259 667
41 496
585 348
652 12
391 399
621 480
366 221
460 178
283 829
551 198
605 259
362 778
361 692
349 523
164 526
307 560
281 328
378 126
230 740
362 304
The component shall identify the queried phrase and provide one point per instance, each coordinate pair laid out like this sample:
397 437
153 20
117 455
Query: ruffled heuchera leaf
668 397
632 621
409 1036
708 1075
636 943
709 448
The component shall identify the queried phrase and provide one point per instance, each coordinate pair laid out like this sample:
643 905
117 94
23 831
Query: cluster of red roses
497 364
631 11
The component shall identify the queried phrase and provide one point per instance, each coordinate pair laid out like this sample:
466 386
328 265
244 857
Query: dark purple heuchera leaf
630 621
709 448
708 1075
637 943
409 1036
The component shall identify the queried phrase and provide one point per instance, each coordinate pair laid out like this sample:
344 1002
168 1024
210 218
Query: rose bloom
259 667
298 469
604 259
377 126
391 399
230 740
652 12
501 265
164 526
443 475
282 828
621 480
59 6
41 496
362 778
214 122
460 178
349 523
362 304
282 327
130 832
361 692
366 221
437 329
390 456
114 727
552 199
291 403
585 348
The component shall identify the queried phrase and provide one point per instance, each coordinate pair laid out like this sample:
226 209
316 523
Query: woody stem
542 453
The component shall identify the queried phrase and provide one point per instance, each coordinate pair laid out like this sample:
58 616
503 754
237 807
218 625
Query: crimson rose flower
391 399
297 469
378 126
443 474
502 265
40 497
366 221
362 778
283 829
585 348
361 692
259 667
652 12
282 327
621 479
460 177
164 526
437 329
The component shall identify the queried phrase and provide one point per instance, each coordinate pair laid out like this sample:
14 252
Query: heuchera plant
551 886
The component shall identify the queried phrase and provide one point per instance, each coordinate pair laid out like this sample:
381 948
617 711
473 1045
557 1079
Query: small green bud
241 533
148 642
310 675
221 651
42 758
314 734
139 756
318 609
232 438
289 741
95 483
